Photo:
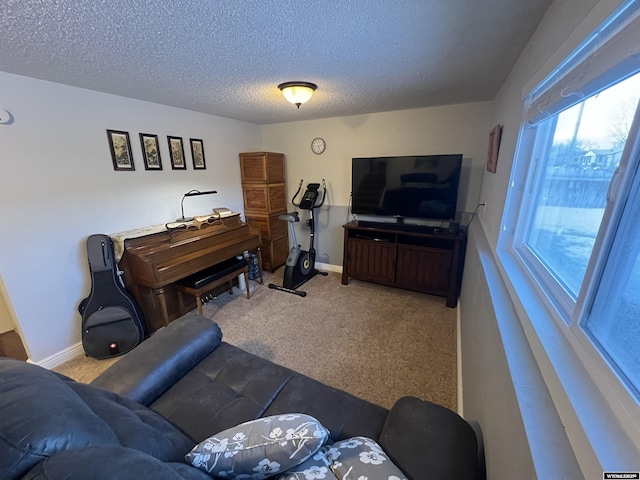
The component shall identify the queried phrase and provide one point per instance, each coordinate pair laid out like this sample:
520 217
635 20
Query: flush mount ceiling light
297 92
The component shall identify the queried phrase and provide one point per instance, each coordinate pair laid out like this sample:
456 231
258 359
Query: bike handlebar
315 205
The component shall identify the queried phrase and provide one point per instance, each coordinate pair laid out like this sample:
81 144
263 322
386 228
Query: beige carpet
376 342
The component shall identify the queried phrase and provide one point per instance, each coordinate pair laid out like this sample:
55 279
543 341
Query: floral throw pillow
358 458
260 448
317 467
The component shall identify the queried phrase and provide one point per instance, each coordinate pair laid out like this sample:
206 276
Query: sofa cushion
135 425
231 386
109 462
342 413
228 387
260 448
42 415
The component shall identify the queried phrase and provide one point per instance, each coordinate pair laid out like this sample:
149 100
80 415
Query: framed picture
197 154
494 147
176 151
150 151
120 150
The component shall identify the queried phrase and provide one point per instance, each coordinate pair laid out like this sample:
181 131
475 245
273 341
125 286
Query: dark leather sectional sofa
142 415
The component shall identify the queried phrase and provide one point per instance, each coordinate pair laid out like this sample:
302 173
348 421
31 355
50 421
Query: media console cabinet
424 259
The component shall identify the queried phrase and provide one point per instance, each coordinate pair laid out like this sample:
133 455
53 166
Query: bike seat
289 217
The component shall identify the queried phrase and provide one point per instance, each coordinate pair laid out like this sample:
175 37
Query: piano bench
204 281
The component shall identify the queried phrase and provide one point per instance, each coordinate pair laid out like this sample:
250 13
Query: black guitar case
112 323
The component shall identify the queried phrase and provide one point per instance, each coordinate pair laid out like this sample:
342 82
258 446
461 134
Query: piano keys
152 263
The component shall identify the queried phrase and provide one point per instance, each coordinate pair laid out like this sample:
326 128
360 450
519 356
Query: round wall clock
318 145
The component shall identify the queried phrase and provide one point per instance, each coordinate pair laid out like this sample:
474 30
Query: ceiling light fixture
297 92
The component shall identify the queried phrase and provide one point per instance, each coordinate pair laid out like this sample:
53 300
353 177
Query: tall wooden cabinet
265 197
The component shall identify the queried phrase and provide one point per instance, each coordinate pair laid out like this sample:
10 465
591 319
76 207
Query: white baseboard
62 356
329 267
77 350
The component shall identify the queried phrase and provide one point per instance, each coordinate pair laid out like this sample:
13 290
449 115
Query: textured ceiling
227 57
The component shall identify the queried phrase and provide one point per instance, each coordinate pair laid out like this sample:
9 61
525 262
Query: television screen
422 186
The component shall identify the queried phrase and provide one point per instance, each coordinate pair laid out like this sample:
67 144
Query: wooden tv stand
424 259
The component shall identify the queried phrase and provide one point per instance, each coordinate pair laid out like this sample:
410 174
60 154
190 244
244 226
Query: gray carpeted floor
376 342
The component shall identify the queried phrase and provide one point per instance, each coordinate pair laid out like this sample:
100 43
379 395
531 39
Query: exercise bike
300 266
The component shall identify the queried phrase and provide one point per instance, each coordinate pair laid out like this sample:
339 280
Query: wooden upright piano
153 262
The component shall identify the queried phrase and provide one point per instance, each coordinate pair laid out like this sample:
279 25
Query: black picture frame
495 135
176 152
197 154
120 147
150 151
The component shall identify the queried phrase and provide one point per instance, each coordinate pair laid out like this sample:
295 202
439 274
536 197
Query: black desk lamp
191 193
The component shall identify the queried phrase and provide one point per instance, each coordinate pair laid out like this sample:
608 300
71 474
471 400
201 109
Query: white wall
58 186
462 128
560 31
503 386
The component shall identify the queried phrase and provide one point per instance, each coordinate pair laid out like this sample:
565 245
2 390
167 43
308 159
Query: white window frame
624 191
592 401
558 299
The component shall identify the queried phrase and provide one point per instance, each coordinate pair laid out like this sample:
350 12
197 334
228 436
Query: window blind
609 54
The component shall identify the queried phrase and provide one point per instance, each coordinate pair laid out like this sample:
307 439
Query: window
579 150
576 220
613 323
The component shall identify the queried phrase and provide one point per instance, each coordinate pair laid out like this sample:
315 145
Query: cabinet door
372 261
424 269
274 253
262 167
270 226
267 198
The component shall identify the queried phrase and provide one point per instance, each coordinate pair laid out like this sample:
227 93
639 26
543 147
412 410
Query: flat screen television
419 186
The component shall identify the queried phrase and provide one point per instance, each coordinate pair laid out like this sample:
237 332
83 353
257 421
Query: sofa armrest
430 441
155 365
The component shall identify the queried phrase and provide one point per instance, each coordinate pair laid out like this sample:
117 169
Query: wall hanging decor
494 147
197 154
176 151
120 150
150 151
